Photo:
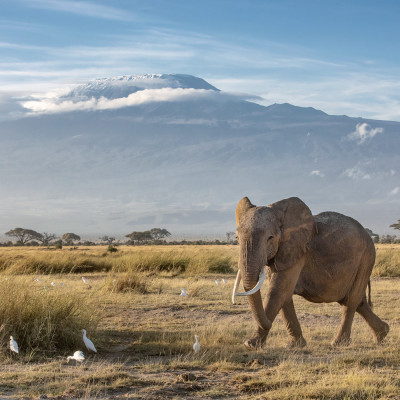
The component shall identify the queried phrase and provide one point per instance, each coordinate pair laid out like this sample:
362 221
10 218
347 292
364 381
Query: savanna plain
144 330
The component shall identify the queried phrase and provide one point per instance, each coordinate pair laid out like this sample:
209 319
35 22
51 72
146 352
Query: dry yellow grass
145 342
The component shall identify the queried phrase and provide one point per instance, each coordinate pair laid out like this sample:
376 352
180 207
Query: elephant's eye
270 237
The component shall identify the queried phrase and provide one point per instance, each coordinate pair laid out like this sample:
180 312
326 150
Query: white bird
88 343
196 346
224 281
38 280
183 292
13 345
78 356
53 284
217 282
85 280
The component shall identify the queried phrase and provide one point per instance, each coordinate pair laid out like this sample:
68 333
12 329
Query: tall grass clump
188 259
43 320
54 263
387 263
128 281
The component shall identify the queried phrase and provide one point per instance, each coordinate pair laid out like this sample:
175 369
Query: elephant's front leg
288 314
280 291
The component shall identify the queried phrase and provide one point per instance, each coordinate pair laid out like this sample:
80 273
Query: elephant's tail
369 293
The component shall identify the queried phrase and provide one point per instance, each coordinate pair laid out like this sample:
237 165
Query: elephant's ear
297 227
242 207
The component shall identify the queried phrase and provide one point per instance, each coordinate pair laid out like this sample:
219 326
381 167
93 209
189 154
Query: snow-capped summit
123 86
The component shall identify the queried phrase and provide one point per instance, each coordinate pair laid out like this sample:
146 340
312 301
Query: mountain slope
175 152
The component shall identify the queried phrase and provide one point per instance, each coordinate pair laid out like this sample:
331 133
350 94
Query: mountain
131 153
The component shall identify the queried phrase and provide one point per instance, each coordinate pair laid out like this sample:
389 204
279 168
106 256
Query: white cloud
52 103
356 173
363 132
317 173
395 191
86 8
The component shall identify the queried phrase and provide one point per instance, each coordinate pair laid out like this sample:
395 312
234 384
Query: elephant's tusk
237 281
263 273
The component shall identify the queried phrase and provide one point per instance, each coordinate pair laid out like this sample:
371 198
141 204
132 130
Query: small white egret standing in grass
13 345
38 280
53 284
183 292
196 346
217 282
88 343
78 356
224 281
85 280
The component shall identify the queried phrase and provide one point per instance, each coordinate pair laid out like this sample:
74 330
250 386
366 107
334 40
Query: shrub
128 282
221 265
112 249
41 320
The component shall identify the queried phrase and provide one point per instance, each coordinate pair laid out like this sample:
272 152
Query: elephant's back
339 228
339 249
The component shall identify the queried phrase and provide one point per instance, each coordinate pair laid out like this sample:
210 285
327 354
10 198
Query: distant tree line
155 236
29 237
384 238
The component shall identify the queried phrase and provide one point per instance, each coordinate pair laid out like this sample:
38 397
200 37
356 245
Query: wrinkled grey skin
323 258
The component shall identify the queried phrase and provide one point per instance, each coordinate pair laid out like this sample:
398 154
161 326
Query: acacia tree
69 238
140 237
46 238
159 233
396 226
230 236
24 235
108 239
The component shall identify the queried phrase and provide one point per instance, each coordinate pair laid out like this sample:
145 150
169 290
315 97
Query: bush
41 320
128 282
112 249
221 266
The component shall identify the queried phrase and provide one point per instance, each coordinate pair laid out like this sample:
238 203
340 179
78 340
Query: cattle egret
13 345
183 292
217 282
78 356
85 280
38 280
196 346
224 281
53 284
88 343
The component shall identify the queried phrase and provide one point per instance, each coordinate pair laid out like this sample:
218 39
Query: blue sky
338 56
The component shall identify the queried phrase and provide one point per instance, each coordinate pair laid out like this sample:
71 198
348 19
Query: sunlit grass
145 337
43 319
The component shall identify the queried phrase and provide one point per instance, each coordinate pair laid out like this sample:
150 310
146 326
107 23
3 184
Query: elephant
323 258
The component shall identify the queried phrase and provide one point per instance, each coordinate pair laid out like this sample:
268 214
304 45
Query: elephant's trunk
252 279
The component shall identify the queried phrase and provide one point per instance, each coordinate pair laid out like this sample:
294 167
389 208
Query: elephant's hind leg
288 314
379 327
343 335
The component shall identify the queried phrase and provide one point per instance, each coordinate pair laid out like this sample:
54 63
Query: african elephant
323 258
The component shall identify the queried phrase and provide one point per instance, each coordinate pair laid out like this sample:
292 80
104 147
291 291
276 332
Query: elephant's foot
297 342
382 333
343 340
257 341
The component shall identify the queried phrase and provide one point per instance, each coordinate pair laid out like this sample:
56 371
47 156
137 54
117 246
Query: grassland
144 330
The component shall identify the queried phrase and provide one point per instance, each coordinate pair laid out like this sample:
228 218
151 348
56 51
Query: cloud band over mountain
50 105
